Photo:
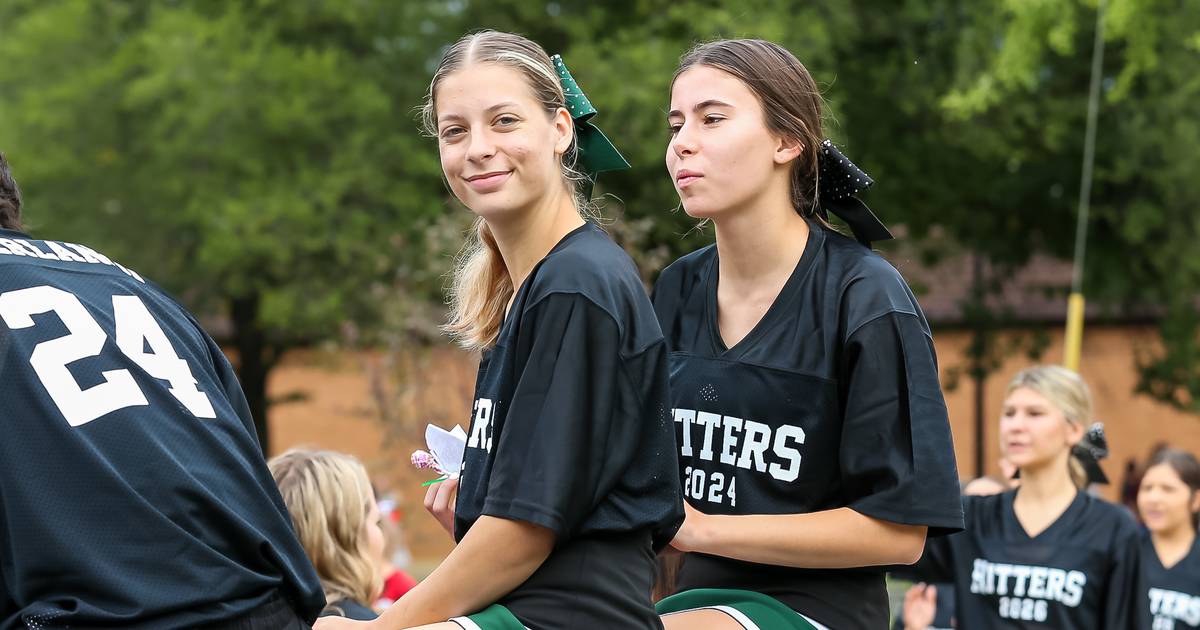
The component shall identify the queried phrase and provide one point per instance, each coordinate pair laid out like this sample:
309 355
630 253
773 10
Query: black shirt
1077 574
1168 599
832 400
133 492
570 432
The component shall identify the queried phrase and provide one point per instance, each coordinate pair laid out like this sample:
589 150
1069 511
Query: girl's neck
1048 485
526 238
1172 545
763 239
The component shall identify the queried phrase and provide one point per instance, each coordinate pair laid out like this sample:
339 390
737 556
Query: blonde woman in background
337 520
1047 554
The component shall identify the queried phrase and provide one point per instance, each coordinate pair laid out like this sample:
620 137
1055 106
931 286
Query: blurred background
261 160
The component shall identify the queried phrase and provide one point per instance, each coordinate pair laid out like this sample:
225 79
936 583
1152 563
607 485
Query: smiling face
501 150
721 155
1164 501
1033 431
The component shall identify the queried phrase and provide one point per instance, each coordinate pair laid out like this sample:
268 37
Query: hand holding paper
445 452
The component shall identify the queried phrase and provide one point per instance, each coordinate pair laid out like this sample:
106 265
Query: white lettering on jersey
62 251
787 453
729 442
481 426
746 444
687 417
709 421
1171 606
1026 589
754 449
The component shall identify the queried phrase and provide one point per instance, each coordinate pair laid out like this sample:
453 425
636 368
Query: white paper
447 448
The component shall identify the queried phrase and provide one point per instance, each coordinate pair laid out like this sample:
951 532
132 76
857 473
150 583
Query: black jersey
832 400
1168 599
132 490
1077 574
570 431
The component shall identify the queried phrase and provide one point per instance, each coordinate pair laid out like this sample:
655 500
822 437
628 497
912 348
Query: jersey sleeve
1122 590
897 456
568 434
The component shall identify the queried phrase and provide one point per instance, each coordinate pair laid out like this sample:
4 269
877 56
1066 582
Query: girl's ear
564 130
788 149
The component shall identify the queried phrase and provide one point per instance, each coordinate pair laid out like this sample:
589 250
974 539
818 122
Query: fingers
439 501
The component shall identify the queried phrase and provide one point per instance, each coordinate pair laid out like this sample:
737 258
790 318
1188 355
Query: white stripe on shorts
466 623
742 619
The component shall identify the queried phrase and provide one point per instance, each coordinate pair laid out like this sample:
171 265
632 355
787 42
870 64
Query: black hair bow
838 183
1090 450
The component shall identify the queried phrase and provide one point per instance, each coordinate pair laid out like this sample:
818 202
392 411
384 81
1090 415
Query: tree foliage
260 157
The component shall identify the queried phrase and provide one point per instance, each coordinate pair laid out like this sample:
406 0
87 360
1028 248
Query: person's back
132 489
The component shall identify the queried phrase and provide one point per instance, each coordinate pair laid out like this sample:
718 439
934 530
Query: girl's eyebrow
497 106
712 102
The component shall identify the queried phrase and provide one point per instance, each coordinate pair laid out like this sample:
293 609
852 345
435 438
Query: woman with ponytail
568 485
1048 554
813 438
1169 503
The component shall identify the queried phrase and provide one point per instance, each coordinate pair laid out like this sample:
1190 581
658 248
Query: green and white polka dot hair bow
595 154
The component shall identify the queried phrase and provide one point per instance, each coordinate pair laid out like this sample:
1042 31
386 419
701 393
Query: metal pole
1073 344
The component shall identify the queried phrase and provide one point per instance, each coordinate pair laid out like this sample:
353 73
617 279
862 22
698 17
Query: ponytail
479 291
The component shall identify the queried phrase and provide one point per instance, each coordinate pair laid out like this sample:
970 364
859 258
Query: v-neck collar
781 304
1010 511
1194 550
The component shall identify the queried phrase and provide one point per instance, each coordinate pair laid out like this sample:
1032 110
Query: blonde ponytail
479 291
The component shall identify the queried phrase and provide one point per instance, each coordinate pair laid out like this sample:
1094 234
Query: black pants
275 614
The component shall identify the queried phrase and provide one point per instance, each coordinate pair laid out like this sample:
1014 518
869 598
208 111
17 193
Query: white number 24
135 329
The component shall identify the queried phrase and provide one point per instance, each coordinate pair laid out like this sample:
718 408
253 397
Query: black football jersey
132 490
570 431
832 400
1077 574
1168 599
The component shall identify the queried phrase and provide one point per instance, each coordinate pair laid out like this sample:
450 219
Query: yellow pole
1073 344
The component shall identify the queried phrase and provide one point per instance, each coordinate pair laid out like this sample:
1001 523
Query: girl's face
374 534
500 150
1034 432
1164 501
721 155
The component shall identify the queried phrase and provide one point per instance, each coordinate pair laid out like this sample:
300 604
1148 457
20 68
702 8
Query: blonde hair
481 287
329 497
1069 393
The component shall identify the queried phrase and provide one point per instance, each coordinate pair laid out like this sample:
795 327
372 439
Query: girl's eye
710 119
674 128
450 132
506 120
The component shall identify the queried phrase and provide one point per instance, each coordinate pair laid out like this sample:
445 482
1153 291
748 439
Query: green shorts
754 611
494 617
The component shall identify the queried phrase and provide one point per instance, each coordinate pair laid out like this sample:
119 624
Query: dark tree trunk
255 360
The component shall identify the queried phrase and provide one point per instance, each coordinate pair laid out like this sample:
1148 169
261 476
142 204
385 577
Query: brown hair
1185 465
1067 391
792 104
10 198
481 287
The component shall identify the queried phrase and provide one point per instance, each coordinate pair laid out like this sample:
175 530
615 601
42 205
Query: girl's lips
686 180
488 182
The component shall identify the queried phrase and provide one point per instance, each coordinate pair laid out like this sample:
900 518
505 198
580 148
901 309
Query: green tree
258 158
